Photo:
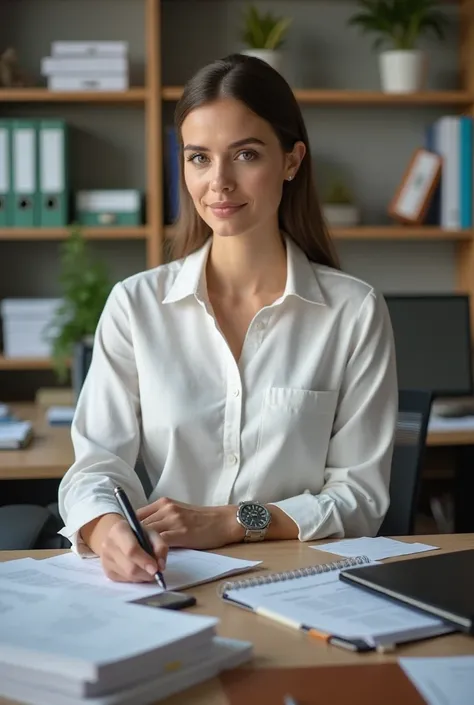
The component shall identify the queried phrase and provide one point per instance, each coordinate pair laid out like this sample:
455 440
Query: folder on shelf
6 191
53 174
25 173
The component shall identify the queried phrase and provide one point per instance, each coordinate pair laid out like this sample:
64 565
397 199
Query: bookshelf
361 98
153 94
122 233
43 95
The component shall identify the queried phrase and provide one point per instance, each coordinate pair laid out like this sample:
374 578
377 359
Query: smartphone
167 600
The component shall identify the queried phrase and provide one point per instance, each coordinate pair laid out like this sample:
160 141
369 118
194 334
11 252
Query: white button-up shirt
305 420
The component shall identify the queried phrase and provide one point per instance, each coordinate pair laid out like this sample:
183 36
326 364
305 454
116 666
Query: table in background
50 454
276 645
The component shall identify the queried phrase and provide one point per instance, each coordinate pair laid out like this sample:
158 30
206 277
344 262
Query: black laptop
441 584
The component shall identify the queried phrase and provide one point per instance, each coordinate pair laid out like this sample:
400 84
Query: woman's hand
122 557
187 526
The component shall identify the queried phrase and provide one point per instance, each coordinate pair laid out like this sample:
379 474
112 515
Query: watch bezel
247 527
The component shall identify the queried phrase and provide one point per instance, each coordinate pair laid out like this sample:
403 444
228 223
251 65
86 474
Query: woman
250 368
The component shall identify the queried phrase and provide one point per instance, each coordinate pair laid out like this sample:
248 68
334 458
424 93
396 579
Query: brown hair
262 89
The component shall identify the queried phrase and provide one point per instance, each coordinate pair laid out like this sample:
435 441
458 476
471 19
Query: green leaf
85 287
401 22
263 30
276 34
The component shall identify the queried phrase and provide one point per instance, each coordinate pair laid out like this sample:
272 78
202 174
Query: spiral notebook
315 601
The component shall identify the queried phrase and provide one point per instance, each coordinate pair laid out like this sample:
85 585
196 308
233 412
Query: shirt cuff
316 517
80 515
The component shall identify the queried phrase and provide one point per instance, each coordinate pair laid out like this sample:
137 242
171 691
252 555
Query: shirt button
236 392
232 459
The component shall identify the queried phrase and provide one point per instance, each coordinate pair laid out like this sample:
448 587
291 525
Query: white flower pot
341 215
402 71
271 56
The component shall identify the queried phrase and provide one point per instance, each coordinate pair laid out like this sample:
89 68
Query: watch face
254 516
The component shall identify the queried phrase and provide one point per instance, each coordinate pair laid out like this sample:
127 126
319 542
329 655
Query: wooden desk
49 454
276 645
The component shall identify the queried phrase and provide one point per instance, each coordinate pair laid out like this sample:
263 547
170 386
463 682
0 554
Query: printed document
376 548
442 681
184 568
325 603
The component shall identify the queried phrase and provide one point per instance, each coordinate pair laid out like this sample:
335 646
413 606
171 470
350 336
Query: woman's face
234 167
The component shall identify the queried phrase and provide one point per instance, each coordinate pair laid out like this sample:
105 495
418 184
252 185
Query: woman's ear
294 159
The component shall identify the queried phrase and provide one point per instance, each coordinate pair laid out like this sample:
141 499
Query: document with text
185 568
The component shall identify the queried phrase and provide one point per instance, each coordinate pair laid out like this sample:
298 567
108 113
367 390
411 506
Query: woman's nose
222 178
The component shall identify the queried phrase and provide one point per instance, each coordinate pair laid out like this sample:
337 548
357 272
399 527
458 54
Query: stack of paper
15 434
28 327
87 66
57 648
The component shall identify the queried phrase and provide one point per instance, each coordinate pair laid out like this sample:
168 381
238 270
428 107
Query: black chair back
414 408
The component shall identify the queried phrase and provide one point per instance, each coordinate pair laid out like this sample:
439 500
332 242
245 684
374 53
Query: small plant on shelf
264 34
400 24
85 287
339 207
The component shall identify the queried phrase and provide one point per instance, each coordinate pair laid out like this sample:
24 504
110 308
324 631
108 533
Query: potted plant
400 23
264 35
339 209
85 288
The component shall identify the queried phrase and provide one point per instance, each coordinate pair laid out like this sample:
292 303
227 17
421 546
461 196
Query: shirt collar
301 279
191 278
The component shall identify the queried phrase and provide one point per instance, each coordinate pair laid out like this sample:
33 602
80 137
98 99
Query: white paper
325 603
223 654
376 548
74 636
451 424
442 681
85 575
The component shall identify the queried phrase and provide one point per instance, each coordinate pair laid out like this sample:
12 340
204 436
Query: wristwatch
255 518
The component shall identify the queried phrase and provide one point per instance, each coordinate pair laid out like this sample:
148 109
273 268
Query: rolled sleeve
355 495
106 429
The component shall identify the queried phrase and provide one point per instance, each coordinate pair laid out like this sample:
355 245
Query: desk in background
50 454
276 645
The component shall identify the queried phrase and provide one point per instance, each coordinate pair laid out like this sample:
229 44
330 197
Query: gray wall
369 145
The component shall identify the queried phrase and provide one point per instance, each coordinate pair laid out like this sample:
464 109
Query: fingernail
161 563
150 568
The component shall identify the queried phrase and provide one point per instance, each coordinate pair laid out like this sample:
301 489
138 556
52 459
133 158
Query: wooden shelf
118 233
399 232
350 97
43 95
388 232
25 363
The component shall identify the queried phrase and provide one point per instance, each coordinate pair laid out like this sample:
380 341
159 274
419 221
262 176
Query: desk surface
50 453
276 645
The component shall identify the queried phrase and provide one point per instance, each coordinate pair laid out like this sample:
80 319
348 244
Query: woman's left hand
186 526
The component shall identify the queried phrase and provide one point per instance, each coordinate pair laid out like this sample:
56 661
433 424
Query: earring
289 178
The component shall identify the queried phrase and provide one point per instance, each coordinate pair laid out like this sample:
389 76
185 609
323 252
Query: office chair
414 408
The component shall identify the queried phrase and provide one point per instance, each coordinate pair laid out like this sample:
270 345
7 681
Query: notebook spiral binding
292 574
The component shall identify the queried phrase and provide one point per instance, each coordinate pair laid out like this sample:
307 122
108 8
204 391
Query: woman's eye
248 156
198 159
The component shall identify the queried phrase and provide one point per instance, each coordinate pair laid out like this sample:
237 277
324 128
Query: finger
177 538
146 511
129 555
160 548
130 571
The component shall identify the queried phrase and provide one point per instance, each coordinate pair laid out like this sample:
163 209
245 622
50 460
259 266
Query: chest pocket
295 430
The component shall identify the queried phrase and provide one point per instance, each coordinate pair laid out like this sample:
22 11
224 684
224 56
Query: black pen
137 528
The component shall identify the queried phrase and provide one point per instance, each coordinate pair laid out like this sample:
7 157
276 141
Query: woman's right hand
122 557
